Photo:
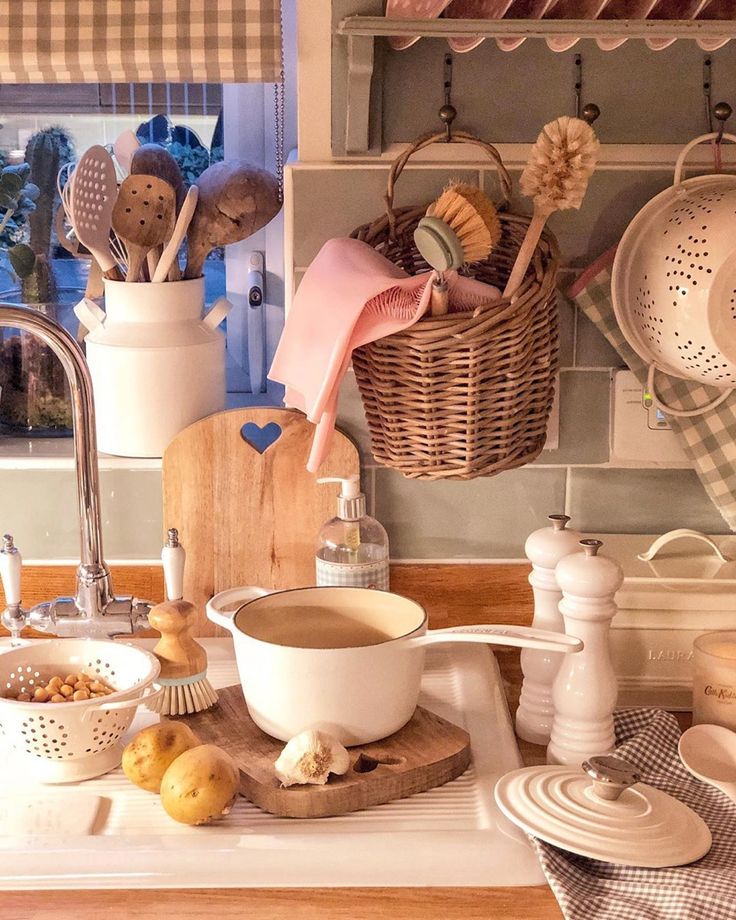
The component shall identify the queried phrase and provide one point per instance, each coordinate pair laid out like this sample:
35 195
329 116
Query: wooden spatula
143 217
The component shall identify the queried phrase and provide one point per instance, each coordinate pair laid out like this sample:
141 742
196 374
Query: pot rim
348 648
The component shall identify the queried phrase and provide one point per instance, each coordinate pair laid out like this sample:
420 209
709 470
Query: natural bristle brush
460 226
556 178
183 660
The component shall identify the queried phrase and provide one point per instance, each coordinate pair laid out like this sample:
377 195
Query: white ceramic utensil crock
348 661
157 363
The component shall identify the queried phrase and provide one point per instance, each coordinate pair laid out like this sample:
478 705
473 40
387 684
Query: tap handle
11 563
173 558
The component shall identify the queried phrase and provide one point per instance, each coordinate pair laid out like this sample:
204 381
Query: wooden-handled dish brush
556 178
183 660
460 226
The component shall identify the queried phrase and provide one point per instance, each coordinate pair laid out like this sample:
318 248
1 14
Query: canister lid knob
545 547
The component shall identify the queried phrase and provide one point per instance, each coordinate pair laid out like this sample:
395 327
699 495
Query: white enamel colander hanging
674 282
66 742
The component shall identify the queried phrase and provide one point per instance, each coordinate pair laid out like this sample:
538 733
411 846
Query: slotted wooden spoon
143 217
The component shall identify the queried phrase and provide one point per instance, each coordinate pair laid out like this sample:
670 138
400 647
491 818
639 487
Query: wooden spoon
235 200
143 217
155 160
168 256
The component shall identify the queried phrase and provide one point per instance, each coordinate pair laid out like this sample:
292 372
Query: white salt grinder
544 549
585 689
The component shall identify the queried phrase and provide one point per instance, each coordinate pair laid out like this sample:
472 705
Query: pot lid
603 812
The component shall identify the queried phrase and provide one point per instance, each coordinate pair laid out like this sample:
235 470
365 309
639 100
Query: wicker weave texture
467 394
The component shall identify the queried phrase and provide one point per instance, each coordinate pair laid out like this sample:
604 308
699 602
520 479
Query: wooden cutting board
427 752
236 487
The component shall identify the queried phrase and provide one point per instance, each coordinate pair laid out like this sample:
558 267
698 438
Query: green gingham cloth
709 439
587 889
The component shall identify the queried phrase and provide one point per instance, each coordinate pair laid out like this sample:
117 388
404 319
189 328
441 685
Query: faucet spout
94 594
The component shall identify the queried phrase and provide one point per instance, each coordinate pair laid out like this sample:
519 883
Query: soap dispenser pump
352 548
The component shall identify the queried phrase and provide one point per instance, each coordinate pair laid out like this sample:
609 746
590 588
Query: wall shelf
359 33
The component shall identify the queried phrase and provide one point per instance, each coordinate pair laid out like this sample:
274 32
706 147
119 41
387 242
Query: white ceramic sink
450 836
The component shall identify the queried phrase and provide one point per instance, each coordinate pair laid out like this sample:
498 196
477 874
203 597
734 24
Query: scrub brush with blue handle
183 660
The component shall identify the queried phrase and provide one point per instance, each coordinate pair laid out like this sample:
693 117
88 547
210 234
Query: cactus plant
46 152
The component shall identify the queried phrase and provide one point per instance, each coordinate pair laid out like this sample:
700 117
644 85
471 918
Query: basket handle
680 164
682 413
458 137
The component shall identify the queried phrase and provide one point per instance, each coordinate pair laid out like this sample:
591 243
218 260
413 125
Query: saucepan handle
221 608
519 636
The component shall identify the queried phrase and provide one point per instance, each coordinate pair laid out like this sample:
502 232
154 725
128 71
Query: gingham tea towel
709 439
587 889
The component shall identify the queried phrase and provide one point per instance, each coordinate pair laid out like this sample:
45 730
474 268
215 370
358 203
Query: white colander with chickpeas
66 703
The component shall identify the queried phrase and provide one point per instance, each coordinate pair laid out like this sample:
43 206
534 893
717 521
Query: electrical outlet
639 430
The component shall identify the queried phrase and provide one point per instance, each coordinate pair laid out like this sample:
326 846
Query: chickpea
41 695
80 685
66 690
71 679
55 682
58 698
81 695
23 697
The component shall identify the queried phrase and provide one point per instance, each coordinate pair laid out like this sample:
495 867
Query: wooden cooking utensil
235 200
171 250
249 511
124 146
154 160
91 200
143 217
427 752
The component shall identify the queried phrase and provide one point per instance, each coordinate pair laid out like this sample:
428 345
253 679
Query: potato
153 750
200 785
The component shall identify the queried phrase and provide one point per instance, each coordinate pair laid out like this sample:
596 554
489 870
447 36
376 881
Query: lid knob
591 547
559 521
610 775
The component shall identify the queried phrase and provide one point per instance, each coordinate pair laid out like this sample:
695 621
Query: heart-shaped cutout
260 438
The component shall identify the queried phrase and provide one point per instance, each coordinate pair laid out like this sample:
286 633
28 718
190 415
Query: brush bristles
560 165
185 699
472 216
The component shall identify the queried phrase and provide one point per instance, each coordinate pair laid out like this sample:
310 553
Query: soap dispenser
352 548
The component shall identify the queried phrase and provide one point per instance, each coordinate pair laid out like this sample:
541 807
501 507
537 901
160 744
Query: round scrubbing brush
183 661
460 226
556 177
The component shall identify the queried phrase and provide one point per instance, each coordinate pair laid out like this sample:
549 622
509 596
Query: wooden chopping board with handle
236 487
427 752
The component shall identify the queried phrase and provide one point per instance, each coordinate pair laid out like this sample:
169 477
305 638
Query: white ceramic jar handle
694 143
518 636
681 534
218 311
221 608
89 314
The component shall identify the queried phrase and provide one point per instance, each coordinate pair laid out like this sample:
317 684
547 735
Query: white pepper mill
585 689
544 548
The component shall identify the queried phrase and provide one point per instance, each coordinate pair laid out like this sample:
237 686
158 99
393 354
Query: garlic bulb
310 757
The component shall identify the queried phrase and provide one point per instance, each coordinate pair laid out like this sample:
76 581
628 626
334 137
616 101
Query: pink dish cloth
350 295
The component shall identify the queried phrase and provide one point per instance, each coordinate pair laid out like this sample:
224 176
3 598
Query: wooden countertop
453 595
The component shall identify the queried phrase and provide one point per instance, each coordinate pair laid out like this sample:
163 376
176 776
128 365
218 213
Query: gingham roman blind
140 41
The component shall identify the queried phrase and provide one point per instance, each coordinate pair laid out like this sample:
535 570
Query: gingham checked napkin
587 889
709 439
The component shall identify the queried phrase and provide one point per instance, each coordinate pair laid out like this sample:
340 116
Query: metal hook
448 112
589 112
722 111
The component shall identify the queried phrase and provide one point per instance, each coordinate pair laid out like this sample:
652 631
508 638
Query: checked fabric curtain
140 41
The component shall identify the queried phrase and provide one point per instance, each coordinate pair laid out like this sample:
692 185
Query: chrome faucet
94 611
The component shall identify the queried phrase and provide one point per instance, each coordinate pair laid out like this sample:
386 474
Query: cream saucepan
348 661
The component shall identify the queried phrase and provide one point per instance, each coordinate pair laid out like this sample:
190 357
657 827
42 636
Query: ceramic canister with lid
544 549
157 362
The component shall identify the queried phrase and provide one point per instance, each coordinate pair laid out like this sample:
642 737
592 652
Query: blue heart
260 438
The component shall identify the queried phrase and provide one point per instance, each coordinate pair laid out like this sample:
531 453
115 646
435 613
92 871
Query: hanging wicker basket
465 394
